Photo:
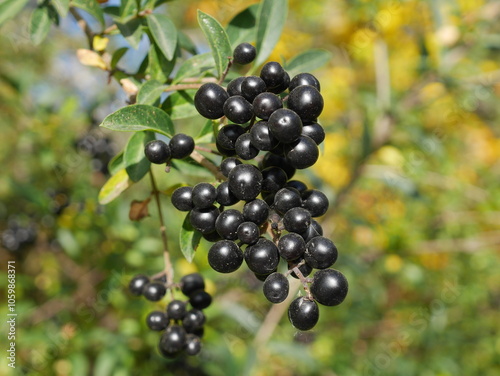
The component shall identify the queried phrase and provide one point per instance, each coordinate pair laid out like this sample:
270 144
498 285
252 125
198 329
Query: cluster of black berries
17 236
180 146
100 149
182 328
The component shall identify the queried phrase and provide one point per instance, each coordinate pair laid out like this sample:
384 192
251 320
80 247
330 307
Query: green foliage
189 239
270 22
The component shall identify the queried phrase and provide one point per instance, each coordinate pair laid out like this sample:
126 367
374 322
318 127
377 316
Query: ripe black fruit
285 125
245 181
305 269
273 74
315 201
262 257
297 220
136 285
320 253
224 196
283 86
173 340
265 104
244 147
181 146
261 136
315 131
256 211
192 282
303 313
193 344
154 291
304 79
244 53
209 100
200 299
273 178
329 287
271 159
228 135
302 153
182 198
286 199
203 220
157 152
157 320
298 185
238 109
248 233
193 319
228 164
176 310
234 86
276 287
306 101
291 246
251 87
225 256
227 223
203 195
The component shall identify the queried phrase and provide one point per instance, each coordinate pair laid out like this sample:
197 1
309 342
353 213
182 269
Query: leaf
186 43
217 39
164 34
194 66
128 8
190 167
100 43
242 27
136 163
308 61
159 68
62 7
114 187
91 7
180 105
116 163
139 209
139 117
206 130
270 22
131 31
39 25
150 92
90 58
117 55
10 8
189 239
129 86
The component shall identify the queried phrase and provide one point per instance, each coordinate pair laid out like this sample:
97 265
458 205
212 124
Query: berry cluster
180 146
182 328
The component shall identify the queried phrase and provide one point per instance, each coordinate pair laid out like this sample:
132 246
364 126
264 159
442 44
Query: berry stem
208 165
226 71
207 150
169 270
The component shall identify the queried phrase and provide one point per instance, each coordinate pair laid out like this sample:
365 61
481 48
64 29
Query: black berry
228 135
273 74
261 136
286 199
251 87
276 287
176 310
157 320
262 257
315 131
224 196
203 220
228 164
192 282
273 179
209 100
182 198
265 104
303 313
238 109
329 287
245 181
154 291
285 125
256 211
172 341
244 147
203 195
157 152
248 233
304 79
306 101
297 220
302 153
244 53
227 224
291 246
225 256
136 285
181 146
200 299
193 344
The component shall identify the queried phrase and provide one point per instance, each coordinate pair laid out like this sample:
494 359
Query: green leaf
136 163
308 61
62 7
91 7
205 131
139 117
217 39
242 27
114 187
132 31
164 34
117 55
190 167
159 68
116 163
150 92
39 25
10 8
128 8
186 43
270 22
194 66
180 105
189 239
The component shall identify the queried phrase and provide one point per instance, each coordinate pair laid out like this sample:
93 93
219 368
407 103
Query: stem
208 165
226 71
84 26
169 270
207 150
183 87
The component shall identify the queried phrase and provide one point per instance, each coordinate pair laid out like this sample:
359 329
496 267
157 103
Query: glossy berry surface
273 74
203 195
200 299
244 147
285 125
173 340
276 287
224 196
305 269
256 211
238 109
203 220
136 285
262 257
244 53
304 79
329 287
291 246
320 253
192 282
182 198
193 319
225 256
303 313
248 233
181 146
297 220
154 291
193 344
273 179
227 223
286 199
306 101
228 164
315 201
265 104
251 87
271 159
157 152
176 310
234 86
209 100
245 181
298 185
228 135
285 82
157 320
261 136
314 131
303 153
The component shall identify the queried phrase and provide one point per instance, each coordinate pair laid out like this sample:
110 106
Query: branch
208 165
84 26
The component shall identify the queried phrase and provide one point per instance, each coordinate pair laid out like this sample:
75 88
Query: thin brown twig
179 87
208 165
84 26
226 71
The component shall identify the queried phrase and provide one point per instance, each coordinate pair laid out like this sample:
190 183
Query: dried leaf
139 209
90 58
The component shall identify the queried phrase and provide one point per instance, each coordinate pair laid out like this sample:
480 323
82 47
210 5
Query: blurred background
410 164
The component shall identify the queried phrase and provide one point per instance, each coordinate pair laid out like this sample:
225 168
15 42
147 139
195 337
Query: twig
226 71
84 26
207 150
183 87
208 165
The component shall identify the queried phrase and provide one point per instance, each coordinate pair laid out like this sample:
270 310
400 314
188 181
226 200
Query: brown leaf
139 209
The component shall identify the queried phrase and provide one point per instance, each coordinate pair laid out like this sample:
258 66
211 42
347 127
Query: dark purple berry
182 198
315 131
291 246
261 136
256 211
238 109
227 224
244 53
329 287
157 320
245 181
225 256
286 199
315 201
181 146
234 86
285 125
157 152
304 79
209 100
262 257
248 233
303 313
251 87
273 179
244 147
265 104
136 285
297 220
302 153
228 164
228 135
276 287
306 101
224 196
273 74
203 195
203 220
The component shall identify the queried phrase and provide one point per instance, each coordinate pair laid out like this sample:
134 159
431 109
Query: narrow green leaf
270 22
308 61
128 8
62 7
91 7
136 163
189 239
180 105
39 25
132 31
150 92
139 117
10 8
164 34
117 55
194 66
190 167
242 27
116 163
186 43
205 131
114 187
159 68
217 39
